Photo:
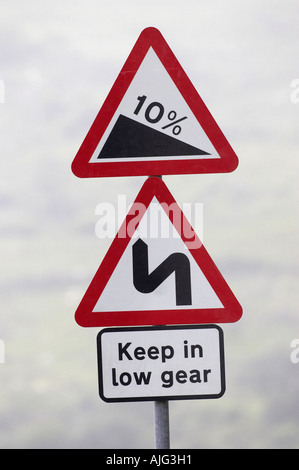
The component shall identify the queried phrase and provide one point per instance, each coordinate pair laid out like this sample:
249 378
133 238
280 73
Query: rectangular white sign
152 363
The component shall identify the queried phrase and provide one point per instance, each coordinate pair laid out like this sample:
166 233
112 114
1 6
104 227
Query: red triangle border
81 165
84 316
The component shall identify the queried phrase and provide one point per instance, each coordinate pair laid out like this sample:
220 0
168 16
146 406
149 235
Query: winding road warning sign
153 121
156 271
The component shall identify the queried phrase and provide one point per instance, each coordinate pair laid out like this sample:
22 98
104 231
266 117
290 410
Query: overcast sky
58 61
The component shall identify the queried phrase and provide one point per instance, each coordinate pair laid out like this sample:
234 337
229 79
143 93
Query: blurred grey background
58 62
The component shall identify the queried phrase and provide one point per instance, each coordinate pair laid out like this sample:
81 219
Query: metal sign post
161 410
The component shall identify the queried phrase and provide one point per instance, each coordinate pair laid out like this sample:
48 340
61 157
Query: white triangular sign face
156 271
168 129
153 121
162 240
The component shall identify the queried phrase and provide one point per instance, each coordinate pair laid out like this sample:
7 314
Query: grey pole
161 410
162 440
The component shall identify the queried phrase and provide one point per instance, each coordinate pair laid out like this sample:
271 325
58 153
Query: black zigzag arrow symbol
146 282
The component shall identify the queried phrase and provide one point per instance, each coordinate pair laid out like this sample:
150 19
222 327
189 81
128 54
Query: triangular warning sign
156 271
153 121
